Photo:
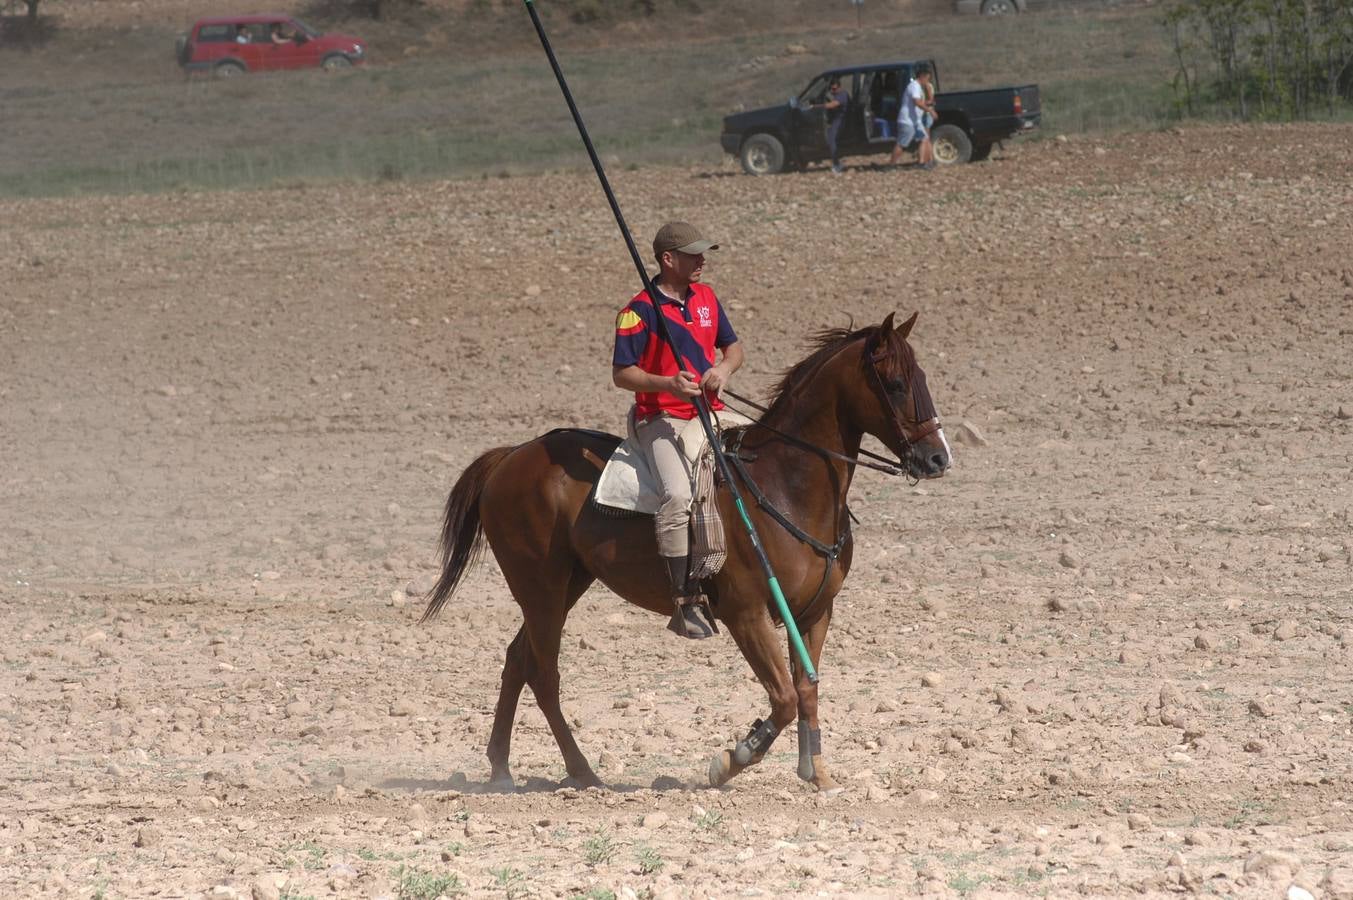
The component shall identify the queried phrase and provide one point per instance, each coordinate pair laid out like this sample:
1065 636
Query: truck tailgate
1029 100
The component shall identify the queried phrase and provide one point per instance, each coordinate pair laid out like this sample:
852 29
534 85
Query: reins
884 465
830 552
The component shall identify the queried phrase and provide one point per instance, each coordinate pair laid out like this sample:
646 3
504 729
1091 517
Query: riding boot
687 603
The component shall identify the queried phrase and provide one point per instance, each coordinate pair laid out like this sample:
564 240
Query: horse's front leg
755 636
812 769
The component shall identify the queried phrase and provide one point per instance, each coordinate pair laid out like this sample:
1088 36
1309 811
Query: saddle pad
628 483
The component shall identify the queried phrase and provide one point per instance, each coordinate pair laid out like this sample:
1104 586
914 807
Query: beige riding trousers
659 441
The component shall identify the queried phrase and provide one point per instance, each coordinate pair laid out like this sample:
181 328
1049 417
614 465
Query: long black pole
701 407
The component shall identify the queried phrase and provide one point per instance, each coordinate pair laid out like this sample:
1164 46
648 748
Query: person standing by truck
835 105
911 129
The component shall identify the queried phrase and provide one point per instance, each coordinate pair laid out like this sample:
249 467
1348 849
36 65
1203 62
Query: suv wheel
336 62
762 154
228 70
951 145
999 7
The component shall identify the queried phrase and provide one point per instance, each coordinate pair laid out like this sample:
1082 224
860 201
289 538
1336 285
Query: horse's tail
462 537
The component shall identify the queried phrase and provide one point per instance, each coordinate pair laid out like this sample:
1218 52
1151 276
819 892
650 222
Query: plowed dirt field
1111 652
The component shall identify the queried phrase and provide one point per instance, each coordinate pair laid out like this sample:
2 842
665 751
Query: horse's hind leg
811 766
546 628
533 658
516 669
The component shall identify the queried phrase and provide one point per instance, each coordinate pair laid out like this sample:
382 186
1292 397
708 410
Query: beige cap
682 237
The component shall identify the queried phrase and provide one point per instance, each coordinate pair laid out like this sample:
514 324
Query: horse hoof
503 784
721 769
582 782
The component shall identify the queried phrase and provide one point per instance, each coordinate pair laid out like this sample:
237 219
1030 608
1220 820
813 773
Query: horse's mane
825 344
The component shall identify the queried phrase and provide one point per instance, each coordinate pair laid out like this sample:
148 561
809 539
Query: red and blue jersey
698 326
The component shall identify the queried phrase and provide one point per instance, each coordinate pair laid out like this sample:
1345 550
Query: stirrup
692 618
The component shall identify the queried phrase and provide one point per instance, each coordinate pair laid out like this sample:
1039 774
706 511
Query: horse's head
896 407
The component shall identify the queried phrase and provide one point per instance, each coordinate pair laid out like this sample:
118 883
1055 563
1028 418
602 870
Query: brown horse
533 503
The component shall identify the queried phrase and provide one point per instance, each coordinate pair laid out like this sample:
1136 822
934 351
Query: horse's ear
887 325
905 328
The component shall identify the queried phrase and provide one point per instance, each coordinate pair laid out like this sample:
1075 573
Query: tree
1272 58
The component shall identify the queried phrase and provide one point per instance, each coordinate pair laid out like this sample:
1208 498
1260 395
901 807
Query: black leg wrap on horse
757 742
810 745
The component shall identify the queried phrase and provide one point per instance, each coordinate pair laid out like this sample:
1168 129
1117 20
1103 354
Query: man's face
686 267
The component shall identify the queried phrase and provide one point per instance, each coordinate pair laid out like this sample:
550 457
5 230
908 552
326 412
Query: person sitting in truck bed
882 111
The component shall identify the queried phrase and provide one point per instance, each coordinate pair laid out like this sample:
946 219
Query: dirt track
229 422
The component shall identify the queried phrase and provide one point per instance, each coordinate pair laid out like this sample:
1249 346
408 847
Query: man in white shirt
910 121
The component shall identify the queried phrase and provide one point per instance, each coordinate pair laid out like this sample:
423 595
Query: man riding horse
664 392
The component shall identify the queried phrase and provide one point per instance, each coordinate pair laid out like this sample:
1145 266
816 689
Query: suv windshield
816 91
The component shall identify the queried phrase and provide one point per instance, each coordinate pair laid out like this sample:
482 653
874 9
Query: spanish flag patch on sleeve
628 322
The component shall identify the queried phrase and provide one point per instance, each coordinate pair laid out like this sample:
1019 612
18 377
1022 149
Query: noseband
906 438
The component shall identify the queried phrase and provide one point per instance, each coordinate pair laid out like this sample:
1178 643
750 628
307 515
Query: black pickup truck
794 134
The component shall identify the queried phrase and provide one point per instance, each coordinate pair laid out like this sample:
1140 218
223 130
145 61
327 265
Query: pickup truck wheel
951 145
228 70
762 154
336 62
999 7
981 152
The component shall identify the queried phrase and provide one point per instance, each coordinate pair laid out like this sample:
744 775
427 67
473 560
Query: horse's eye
896 386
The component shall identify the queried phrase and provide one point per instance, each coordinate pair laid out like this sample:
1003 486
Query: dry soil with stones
1111 652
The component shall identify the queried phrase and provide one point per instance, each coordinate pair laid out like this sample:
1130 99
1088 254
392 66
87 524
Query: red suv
227 46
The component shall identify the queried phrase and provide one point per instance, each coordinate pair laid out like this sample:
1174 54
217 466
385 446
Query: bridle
923 429
832 552
919 432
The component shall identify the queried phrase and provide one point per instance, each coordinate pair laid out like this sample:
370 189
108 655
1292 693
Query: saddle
628 484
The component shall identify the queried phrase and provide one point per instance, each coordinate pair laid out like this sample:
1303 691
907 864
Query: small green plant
415 884
314 856
289 894
510 880
964 884
1251 812
709 821
600 848
366 853
455 848
649 860
1030 875
597 893
307 854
